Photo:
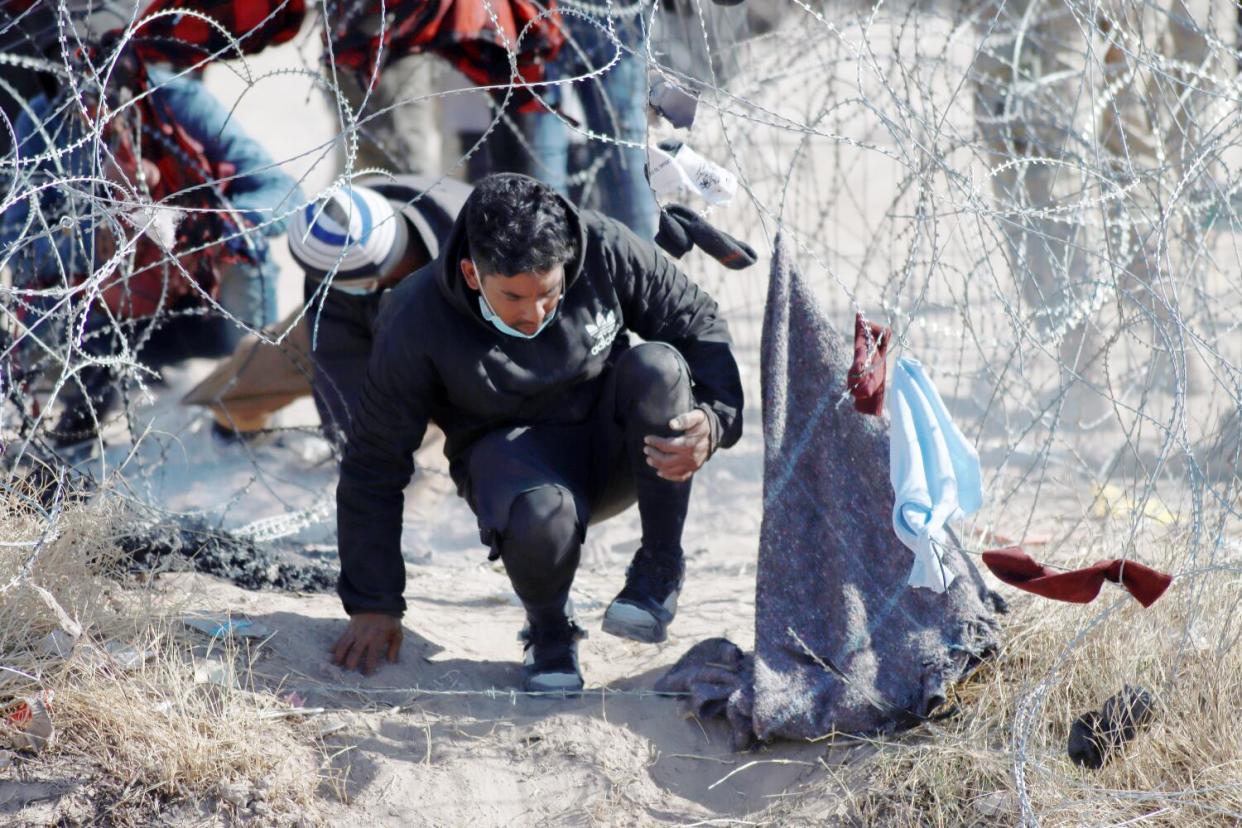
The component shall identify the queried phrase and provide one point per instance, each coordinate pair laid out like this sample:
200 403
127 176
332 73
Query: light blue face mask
491 316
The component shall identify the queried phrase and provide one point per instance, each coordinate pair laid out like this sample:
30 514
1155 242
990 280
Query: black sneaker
551 656
644 609
84 414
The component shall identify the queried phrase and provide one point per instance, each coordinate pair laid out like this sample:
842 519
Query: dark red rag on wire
1081 586
869 372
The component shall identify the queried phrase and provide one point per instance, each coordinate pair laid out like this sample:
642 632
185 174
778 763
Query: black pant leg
527 486
506 146
647 387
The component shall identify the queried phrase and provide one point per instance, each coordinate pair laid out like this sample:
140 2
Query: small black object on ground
1095 737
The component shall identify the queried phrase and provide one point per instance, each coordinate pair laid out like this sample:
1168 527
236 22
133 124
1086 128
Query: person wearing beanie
353 245
515 342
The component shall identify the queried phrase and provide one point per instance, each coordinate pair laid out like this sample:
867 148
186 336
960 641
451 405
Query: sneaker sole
627 621
567 683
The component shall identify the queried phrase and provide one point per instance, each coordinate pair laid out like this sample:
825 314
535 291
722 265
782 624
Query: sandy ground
437 740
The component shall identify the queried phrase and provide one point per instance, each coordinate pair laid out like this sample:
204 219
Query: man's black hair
516 224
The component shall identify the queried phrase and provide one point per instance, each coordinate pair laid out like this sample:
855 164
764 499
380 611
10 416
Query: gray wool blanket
841 642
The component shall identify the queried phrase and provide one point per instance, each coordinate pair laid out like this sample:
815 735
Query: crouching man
514 342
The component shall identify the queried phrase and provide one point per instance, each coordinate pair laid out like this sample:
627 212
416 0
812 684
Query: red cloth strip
1080 586
867 376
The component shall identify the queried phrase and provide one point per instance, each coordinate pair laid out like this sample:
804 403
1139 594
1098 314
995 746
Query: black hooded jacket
436 359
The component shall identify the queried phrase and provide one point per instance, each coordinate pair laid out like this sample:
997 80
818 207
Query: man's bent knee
653 382
543 529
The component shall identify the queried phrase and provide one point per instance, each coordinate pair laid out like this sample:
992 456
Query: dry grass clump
1062 660
129 715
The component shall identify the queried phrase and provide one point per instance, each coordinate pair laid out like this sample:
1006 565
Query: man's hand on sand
368 636
678 458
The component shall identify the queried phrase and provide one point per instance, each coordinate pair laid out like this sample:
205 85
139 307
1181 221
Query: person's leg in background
1153 129
465 115
549 139
1030 104
405 138
546 129
411 130
91 395
615 105
24 34
248 294
506 145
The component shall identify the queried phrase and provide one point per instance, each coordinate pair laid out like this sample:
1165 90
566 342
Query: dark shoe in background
88 404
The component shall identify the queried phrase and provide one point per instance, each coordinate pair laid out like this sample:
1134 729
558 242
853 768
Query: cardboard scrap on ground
259 378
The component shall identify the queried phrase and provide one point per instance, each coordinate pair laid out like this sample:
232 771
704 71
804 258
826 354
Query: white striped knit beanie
354 230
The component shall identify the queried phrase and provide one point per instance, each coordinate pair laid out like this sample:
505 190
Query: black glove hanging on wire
681 228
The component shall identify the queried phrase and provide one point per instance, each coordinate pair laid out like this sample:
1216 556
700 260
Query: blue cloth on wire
934 470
